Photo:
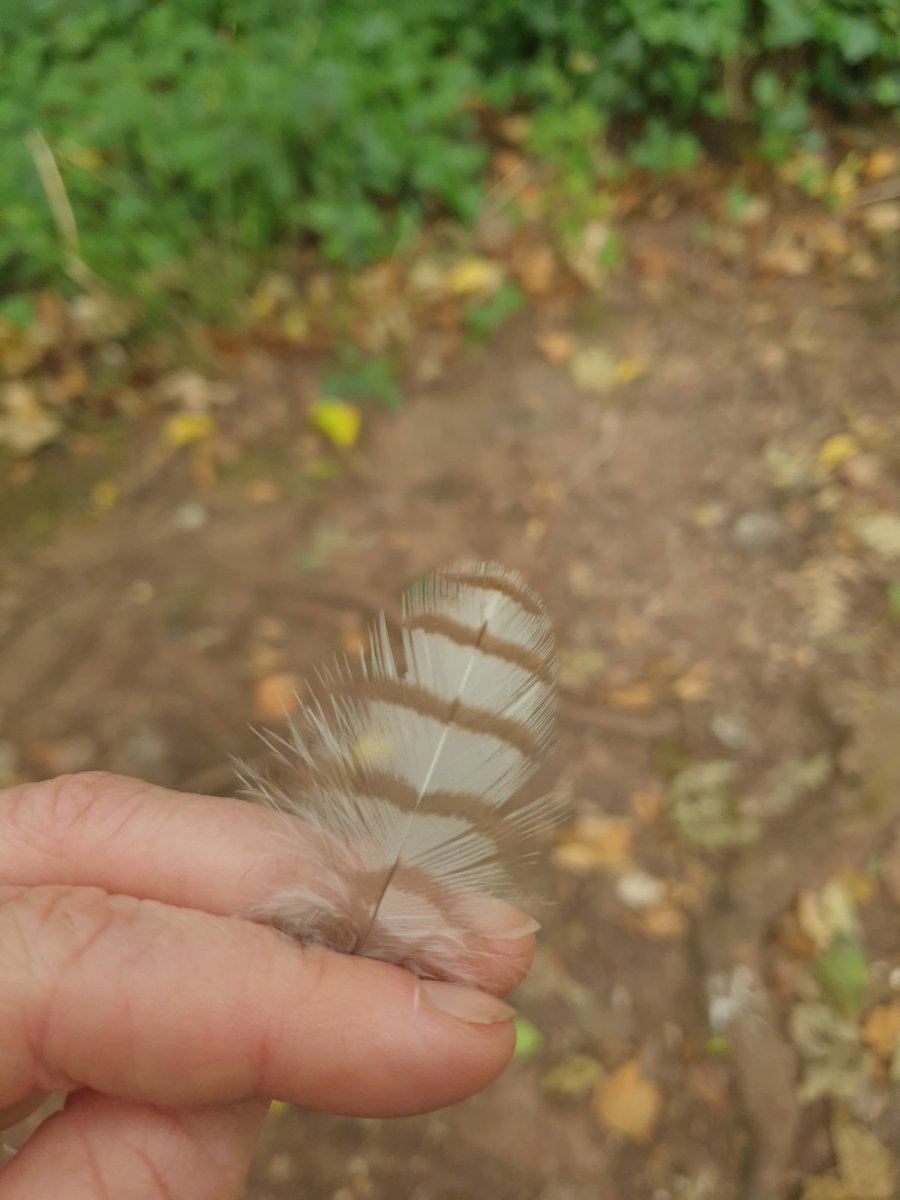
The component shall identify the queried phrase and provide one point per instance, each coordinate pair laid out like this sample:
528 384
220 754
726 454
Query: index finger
221 856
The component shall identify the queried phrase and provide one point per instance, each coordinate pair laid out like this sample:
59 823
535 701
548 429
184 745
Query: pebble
758 530
732 730
190 516
638 890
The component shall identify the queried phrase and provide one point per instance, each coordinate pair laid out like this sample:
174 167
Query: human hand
132 983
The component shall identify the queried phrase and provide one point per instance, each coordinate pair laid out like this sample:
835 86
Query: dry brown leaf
262 491
881 163
555 345
694 684
628 1104
647 805
866 1168
654 262
594 842
882 219
536 269
785 255
276 696
881 1030
24 425
661 921
634 697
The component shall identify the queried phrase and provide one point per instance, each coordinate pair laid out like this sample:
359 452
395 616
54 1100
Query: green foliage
354 377
483 318
193 136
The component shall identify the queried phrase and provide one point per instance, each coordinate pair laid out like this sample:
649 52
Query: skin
134 983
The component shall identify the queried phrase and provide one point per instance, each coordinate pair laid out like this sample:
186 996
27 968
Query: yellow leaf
295 323
185 427
627 1103
105 493
278 1108
85 157
836 450
628 368
473 276
339 420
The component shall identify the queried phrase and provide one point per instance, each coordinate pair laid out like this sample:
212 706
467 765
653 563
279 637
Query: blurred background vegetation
194 135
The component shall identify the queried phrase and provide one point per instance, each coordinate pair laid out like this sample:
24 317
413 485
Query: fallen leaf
647 805
628 1104
589 253
529 1039
786 256
580 668
276 696
880 533
654 262
473 277
339 420
628 369
594 842
634 697
662 921
105 493
866 1168
695 684
295 323
881 163
262 491
594 369
183 428
24 425
574 1076
842 969
836 450
881 1030
882 219
702 804
836 1063
536 269
555 345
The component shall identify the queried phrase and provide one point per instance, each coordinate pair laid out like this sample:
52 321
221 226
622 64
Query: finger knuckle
48 935
50 816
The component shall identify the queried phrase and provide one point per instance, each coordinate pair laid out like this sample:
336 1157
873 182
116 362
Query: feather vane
417 773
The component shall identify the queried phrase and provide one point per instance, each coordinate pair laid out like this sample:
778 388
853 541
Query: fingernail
465 1004
498 920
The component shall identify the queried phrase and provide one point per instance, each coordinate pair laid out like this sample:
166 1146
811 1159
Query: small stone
732 730
758 530
190 516
638 890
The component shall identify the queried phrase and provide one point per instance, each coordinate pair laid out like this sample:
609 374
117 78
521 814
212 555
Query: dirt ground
714 601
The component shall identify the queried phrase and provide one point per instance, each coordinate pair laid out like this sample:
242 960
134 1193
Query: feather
416 771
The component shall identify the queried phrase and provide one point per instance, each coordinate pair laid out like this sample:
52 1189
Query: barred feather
417 775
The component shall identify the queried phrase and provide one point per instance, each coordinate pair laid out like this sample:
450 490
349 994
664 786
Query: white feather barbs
418 781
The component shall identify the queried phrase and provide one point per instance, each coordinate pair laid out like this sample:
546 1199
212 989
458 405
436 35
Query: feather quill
416 771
